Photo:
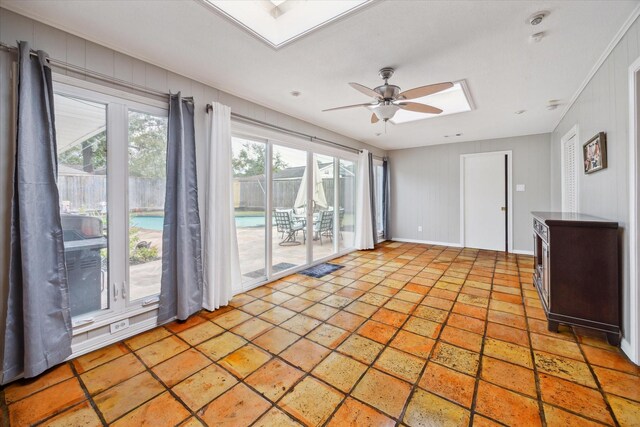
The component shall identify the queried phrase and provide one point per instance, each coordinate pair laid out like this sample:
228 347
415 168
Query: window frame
240 129
118 103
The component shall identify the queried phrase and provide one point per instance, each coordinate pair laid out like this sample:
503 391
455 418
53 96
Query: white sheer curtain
364 225
221 259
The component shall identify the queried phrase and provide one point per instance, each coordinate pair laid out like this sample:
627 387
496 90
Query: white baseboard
627 348
454 245
426 242
521 252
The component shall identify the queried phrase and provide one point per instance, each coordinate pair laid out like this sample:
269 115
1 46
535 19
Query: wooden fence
250 193
89 192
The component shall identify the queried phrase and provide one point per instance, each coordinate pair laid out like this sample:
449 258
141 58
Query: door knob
503 209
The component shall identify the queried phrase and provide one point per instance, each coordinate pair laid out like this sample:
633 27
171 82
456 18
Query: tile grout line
428 360
536 375
87 394
167 388
596 380
484 336
371 365
362 260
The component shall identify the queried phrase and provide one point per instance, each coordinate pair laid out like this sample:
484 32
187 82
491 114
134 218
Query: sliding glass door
324 201
378 176
250 207
347 203
293 206
81 128
290 208
147 153
111 180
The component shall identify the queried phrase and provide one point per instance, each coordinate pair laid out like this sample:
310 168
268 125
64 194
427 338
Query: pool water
148 222
157 222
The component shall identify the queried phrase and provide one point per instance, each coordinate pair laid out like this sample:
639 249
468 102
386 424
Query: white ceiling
483 42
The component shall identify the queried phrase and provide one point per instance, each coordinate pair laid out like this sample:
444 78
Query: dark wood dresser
576 271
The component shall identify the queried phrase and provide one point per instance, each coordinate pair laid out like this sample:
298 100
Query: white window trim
574 133
631 340
117 103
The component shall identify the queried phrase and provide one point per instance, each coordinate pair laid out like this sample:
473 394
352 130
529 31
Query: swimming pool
156 222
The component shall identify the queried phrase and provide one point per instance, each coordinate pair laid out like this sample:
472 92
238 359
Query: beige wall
426 188
603 106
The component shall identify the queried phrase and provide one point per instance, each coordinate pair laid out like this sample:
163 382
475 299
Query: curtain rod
124 83
285 130
94 74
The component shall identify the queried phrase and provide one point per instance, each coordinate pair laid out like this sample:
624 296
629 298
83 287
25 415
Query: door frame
631 342
509 155
574 133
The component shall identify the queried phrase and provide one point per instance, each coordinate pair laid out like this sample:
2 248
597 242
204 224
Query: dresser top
556 218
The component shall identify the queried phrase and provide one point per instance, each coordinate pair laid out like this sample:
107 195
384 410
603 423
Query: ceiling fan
389 99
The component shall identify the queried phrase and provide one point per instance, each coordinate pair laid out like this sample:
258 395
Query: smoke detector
537 17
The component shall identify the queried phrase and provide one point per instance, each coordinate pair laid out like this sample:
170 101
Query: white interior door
484 201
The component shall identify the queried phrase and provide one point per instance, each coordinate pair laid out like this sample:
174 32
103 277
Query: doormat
321 270
276 269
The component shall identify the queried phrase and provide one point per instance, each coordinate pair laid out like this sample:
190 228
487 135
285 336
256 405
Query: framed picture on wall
594 153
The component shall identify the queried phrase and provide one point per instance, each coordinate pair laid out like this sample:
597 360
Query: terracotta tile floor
407 334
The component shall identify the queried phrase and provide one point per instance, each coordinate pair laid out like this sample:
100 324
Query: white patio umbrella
319 197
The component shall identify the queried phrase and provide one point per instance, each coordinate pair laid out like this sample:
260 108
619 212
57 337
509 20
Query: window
111 180
249 202
147 148
378 176
82 184
293 206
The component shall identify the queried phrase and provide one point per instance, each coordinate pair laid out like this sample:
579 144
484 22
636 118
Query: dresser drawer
541 229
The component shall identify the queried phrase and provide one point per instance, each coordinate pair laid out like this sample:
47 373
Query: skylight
278 22
450 101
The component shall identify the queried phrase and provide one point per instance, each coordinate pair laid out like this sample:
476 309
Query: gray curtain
385 199
181 283
38 323
372 190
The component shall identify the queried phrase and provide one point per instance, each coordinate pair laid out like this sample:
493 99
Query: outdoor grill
83 241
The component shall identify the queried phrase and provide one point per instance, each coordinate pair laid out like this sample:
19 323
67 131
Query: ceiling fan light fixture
385 111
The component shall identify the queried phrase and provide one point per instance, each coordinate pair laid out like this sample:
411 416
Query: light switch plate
520 187
419 228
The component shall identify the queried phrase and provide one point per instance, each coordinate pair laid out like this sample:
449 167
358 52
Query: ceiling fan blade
419 108
374 118
419 92
348 106
363 89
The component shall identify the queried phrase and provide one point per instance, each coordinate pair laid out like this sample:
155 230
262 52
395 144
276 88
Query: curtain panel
365 215
181 282
372 199
386 201
221 257
38 324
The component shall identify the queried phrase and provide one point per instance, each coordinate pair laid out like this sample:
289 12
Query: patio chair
288 228
324 226
281 226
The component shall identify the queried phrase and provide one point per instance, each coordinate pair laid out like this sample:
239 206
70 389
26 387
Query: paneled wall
426 188
603 106
77 51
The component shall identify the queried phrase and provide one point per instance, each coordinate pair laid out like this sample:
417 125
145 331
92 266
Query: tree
147 145
147 148
94 148
250 160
